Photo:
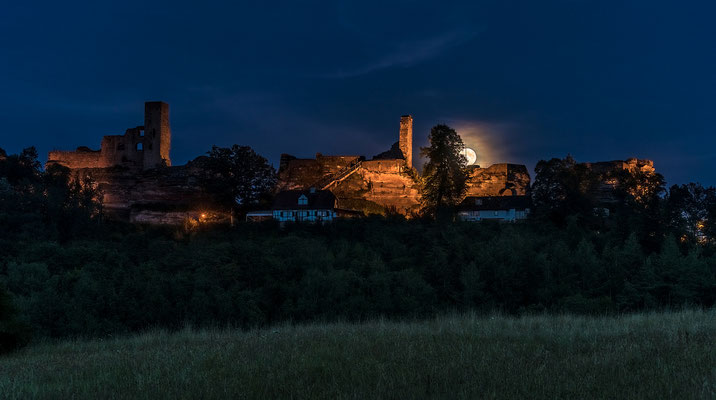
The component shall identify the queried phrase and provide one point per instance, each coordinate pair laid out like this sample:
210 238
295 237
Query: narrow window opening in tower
139 147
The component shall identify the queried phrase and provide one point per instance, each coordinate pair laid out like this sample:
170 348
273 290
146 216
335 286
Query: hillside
655 355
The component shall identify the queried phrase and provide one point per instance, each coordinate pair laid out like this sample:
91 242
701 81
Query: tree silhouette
238 177
445 174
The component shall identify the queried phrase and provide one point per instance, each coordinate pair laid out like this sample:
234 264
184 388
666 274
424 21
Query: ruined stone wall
499 180
159 196
332 164
124 149
375 186
605 191
385 166
138 148
157 140
406 139
389 183
630 164
301 173
77 159
386 183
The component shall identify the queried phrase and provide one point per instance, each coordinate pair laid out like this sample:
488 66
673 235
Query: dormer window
303 200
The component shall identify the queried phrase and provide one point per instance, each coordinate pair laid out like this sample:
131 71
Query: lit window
303 200
139 147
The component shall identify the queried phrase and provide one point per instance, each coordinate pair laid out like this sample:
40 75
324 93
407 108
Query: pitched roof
317 200
480 203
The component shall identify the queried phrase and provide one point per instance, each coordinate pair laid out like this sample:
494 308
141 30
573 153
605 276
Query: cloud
408 53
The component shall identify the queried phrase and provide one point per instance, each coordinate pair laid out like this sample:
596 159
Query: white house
304 206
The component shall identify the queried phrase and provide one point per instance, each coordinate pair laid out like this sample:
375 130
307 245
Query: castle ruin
388 181
406 139
134 173
143 147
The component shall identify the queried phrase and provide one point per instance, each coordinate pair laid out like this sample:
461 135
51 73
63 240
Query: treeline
65 272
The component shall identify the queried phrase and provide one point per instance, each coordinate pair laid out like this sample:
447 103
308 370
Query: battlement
142 147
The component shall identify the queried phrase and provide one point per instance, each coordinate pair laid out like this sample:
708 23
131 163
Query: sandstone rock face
377 185
372 186
605 171
631 165
499 180
296 173
169 195
387 183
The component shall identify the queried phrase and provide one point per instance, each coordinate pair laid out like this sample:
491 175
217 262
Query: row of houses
320 206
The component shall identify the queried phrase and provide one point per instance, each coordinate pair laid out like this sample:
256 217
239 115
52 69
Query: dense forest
67 271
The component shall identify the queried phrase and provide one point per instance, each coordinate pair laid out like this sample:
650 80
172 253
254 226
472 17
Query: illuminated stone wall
605 191
406 139
499 180
375 184
138 148
81 158
158 196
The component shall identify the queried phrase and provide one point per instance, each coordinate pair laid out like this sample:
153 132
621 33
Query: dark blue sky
520 80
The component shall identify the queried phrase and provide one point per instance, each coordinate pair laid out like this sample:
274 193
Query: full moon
470 155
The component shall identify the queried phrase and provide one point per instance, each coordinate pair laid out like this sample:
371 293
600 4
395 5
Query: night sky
521 81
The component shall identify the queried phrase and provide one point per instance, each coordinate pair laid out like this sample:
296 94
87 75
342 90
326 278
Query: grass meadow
669 355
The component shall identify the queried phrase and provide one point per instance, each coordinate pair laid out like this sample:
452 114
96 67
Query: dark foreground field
656 355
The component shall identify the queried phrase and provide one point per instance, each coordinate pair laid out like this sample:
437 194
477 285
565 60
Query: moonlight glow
470 155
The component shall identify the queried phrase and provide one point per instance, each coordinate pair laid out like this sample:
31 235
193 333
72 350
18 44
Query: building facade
304 206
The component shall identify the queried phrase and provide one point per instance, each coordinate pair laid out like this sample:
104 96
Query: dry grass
642 356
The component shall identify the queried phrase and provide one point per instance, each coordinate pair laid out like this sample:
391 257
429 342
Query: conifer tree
445 173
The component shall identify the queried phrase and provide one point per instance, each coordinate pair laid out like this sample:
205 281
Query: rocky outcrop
372 186
168 195
607 173
498 180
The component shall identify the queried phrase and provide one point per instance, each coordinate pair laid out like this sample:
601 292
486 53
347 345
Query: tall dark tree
687 211
445 174
238 177
564 188
639 207
20 169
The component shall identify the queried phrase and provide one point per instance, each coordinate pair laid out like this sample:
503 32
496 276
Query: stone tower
406 138
157 135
